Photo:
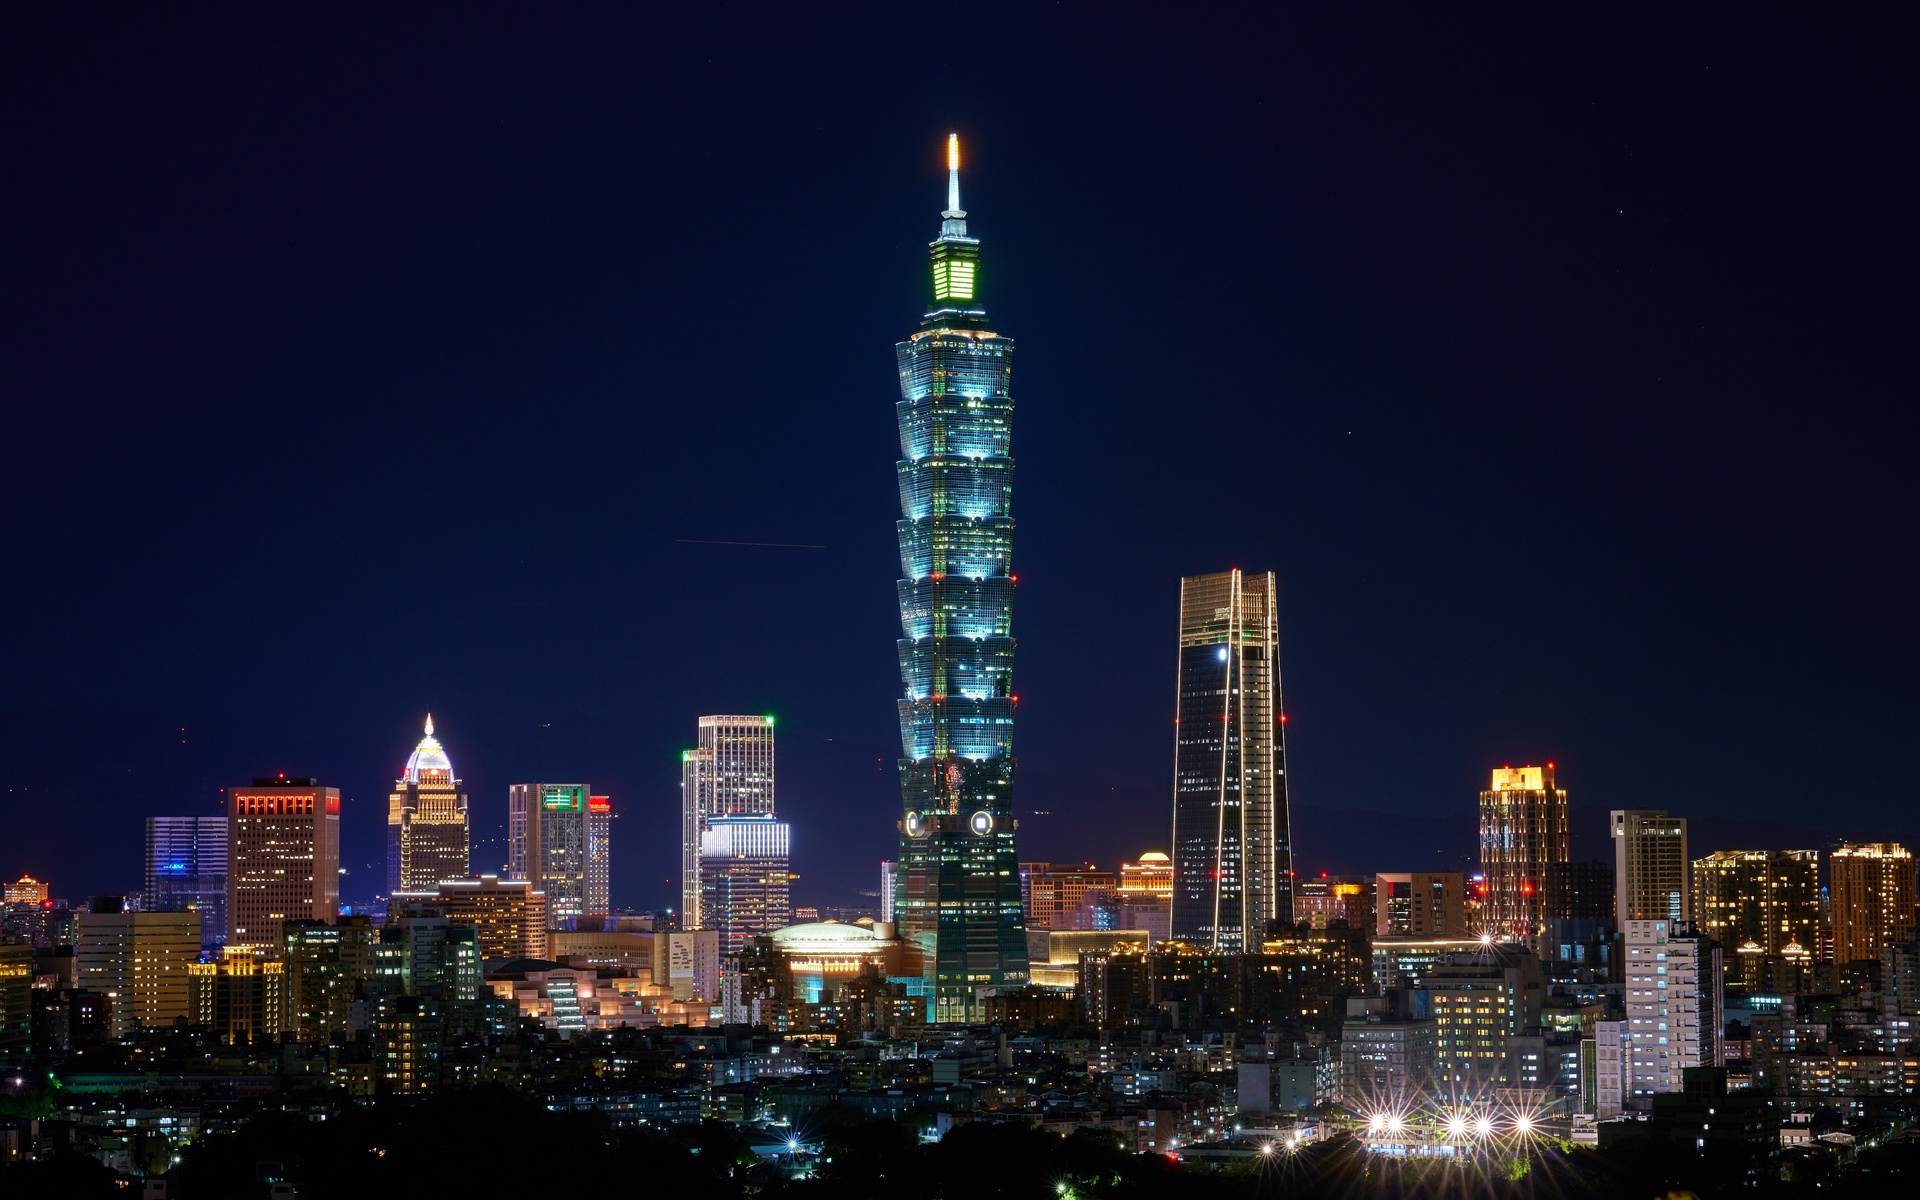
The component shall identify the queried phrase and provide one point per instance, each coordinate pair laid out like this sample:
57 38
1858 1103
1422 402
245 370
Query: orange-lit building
428 834
1051 893
283 858
1870 891
509 915
1151 876
1523 832
27 891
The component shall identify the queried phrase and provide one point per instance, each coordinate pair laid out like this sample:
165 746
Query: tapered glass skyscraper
1232 854
958 882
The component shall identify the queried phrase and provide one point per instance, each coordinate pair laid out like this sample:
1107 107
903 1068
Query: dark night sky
376 360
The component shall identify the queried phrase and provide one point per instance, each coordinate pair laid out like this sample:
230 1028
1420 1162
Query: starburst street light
1523 1124
1456 1126
1483 1127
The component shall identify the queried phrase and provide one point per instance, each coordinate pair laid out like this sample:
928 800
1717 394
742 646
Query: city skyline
1373 464
1537 401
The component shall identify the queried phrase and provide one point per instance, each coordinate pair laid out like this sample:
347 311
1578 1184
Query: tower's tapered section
958 899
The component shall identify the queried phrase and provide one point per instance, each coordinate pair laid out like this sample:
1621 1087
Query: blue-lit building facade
957 898
187 869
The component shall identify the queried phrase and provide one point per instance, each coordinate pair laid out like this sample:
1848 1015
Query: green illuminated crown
956 257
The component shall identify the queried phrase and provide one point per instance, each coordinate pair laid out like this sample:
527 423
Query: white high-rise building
1610 1069
1673 1006
729 773
743 878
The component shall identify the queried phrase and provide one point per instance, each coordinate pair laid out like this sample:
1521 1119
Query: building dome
428 760
826 937
1154 856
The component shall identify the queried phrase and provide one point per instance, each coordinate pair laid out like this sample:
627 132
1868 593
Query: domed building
427 825
821 955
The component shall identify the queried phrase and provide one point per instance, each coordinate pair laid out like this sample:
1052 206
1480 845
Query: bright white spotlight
1486 939
1456 1126
1266 1147
793 1143
1293 1143
1377 1123
1483 1126
1523 1124
1395 1124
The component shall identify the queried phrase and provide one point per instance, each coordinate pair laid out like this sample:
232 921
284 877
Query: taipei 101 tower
958 897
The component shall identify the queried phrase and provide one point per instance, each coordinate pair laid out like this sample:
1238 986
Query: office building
26 890
599 856
1347 899
283 858
1422 904
889 881
510 915
1523 832
187 868
240 995
688 961
1650 867
1232 852
427 955
16 992
1580 891
958 901
1480 1003
327 965
1604 1063
1050 893
744 878
1674 1007
729 772
551 844
1767 898
1387 1057
620 944
1151 875
1870 893
138 961
428 835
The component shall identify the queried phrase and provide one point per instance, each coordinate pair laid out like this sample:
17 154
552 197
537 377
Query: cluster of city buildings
1207 999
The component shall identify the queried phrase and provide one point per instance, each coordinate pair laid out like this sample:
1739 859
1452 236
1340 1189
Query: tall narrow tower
730 772
1523 837
1232 856
427 832
958 889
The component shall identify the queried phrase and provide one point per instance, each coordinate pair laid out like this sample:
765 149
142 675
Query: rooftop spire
429 724
953 176
953 221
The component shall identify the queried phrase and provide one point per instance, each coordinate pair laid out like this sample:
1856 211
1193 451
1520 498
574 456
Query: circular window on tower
982 822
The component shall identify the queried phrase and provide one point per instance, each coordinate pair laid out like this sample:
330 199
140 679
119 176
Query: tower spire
429 724
953 177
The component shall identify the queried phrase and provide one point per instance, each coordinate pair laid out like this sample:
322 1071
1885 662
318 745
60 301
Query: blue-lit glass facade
958 886
187 869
